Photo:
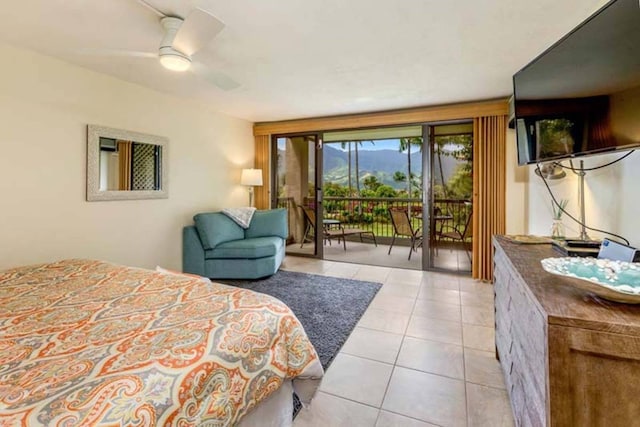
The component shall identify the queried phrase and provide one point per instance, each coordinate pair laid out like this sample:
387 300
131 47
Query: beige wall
45 106
612 198
517 187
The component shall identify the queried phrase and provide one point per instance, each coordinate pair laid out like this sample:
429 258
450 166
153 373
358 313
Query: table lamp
251 178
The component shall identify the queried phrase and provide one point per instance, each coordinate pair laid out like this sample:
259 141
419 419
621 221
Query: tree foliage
335 190
386 191
371 182
460 184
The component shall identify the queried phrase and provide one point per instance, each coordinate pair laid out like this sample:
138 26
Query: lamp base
250 197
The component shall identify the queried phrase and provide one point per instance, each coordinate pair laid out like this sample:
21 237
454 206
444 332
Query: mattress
92 343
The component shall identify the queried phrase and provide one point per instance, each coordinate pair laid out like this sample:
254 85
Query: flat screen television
582 95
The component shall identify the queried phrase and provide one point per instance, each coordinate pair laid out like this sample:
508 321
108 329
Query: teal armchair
218 248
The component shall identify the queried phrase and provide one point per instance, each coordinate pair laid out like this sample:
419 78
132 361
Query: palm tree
358 165
439 154
405 144
343 145
371 182
356 143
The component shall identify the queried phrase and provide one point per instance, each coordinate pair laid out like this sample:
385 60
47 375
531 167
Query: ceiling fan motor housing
171 26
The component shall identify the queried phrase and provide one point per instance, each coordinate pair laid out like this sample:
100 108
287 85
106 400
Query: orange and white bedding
92 343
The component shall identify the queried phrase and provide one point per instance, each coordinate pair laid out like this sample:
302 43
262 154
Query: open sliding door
296 187
450 187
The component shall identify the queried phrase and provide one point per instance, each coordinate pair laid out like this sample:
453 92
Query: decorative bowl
612 280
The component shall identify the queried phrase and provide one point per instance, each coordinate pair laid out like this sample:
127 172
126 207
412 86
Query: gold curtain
489 190
124 166
263 162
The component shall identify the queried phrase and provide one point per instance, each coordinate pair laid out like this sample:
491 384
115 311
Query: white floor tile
372 344
435 330
437 310
389 419
482 316
354 378
400 289
370 273
327 410
383 320
482 367
488 406
398 275
432 356
393 303
479 337
427 397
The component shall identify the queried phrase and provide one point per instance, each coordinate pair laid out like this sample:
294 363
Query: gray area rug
327 307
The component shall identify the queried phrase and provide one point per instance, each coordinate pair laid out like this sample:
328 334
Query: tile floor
422 354
452 257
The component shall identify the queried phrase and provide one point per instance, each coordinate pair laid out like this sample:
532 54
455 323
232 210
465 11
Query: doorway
451 209
371 176
353 180
295 188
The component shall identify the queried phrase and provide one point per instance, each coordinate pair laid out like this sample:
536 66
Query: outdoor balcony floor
450 257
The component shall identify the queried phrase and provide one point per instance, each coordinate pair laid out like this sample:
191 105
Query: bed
92 343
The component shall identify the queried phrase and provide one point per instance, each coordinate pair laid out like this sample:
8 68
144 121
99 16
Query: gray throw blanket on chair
241 216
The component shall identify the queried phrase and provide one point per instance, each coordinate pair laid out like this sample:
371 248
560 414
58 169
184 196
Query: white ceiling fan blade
197 30
216 78
116 52
151 8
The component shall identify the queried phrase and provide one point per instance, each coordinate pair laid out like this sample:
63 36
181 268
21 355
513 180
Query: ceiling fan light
175 62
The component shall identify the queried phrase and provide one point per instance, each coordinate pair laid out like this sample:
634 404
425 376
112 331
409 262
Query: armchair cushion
215 228
268 223
258 247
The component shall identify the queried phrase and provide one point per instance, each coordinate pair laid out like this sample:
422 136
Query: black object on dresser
568 357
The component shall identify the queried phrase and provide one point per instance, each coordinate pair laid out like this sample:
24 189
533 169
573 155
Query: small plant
558 209
557 229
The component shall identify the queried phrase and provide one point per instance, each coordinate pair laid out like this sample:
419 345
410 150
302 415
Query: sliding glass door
396 197
451 186
296 188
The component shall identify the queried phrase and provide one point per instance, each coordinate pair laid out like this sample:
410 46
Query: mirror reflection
125 165
129 165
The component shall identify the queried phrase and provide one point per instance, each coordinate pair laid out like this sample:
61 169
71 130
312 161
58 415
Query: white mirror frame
94 132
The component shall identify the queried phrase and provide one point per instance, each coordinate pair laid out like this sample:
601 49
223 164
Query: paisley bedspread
91 343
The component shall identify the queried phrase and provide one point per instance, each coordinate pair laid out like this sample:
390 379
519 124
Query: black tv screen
582 95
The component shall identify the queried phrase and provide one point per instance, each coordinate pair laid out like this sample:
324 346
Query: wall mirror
125 165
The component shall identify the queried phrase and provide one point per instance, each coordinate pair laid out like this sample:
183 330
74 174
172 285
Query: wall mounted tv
582 95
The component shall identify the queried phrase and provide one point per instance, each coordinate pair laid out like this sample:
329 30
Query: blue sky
380 144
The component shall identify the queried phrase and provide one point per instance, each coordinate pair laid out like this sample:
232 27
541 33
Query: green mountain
383 164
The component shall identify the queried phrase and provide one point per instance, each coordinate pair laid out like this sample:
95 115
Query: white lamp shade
251 177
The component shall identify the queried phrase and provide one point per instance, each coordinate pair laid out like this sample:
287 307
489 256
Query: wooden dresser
568 357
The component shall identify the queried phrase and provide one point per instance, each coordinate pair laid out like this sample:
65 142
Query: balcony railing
371 214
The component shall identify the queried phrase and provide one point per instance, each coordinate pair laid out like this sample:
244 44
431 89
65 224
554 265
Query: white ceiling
302 58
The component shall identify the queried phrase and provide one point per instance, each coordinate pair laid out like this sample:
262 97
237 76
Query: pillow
268 223
180 273
215 228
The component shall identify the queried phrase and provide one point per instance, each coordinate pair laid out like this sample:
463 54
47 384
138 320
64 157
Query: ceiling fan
182 39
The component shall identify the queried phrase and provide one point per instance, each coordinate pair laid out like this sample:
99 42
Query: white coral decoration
609 272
